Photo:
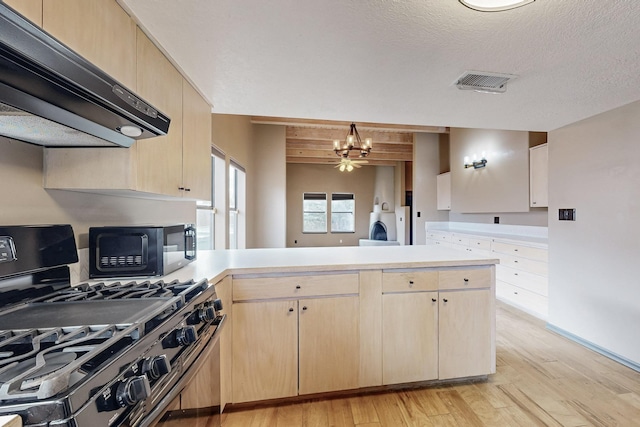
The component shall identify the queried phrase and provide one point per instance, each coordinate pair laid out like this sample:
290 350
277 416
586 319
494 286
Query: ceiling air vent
481 81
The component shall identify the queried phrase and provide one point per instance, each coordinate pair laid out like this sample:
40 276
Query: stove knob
207 314
187 335
155 367
217 304
133 390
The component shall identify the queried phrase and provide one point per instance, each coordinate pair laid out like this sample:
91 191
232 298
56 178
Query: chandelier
352 143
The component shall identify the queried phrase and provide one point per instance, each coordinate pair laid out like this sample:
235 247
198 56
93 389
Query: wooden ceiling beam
300 133
315 160
333 124
324 145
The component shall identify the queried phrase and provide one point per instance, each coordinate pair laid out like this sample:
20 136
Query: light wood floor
542 379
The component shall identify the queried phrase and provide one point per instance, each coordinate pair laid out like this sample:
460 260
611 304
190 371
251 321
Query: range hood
51 96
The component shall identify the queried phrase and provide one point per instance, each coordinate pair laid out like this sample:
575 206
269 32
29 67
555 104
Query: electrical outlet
567 214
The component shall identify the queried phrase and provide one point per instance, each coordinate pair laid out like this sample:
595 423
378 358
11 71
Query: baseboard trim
591 346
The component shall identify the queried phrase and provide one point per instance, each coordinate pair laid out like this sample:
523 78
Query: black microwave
140 251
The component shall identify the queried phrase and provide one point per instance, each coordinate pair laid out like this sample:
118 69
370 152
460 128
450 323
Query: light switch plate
567 214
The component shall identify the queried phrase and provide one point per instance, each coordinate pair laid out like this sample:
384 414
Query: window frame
339 197
325 212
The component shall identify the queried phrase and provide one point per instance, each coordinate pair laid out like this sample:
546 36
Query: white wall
384 187
426 166
594 284
268 188
501 186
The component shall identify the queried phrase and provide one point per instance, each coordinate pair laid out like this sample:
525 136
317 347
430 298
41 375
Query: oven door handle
158 411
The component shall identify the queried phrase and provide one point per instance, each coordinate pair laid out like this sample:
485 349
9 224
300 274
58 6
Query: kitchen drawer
531 282
482 244
525 264
464 278
529 252
460 240
258 288
409 281
441 236
528 301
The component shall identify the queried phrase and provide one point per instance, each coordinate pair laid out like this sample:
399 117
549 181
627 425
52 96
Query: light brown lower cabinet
329 344
409 337
265 350
286 348
464 333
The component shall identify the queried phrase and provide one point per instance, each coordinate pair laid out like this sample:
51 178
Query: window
207 212
314 213
237 204
343 206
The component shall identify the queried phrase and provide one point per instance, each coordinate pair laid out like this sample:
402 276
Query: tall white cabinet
538 176
443 182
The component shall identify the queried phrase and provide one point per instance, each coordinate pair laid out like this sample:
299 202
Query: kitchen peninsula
305 321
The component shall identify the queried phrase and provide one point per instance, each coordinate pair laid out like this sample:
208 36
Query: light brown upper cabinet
160 158
196 144
99 30
175 165
30 9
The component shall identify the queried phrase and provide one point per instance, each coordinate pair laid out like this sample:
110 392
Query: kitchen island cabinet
285 347
265 352
375 316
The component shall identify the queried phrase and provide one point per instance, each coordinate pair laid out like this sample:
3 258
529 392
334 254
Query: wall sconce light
476 164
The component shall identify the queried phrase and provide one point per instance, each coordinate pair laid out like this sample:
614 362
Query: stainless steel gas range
95 354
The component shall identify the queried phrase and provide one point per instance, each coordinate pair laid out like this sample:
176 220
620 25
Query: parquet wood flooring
542 379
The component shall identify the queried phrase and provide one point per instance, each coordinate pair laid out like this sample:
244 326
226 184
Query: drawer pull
515 260
516 293
304 308
410 283
297 286
466 280
433 300
445 300
515 274
516 250
290 310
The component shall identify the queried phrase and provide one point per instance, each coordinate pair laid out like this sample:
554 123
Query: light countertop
214 265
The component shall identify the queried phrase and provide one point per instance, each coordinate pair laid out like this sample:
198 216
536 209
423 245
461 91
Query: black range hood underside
51 96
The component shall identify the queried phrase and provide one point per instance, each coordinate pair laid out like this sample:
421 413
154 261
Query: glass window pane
343 208
314 222
205 228
314 213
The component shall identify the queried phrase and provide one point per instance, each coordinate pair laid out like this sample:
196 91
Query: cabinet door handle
410 283
304 308
181 188
297 286
433 300
187 189
291 310
445 300
466 280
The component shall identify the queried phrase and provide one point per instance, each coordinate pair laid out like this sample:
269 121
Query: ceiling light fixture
494 5
351 143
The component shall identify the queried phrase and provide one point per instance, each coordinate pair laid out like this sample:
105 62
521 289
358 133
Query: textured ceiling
394 61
